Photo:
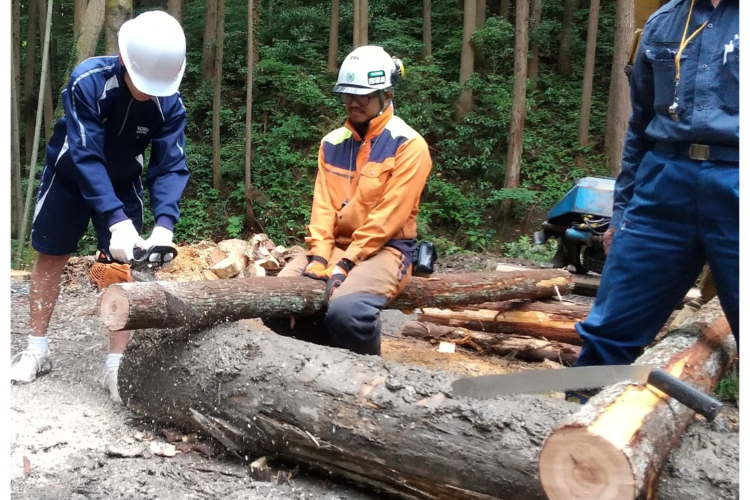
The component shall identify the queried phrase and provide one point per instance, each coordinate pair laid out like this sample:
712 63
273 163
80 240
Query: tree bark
356 19
518 109
91 29
520 347
504 11
564 64
48 109
79 12
131 306
117 12
426 28
218 180
389 427
588 75
364 23
467 58
28 103
174 7
552 321
333 38
616 445
16 210
618 106
249 214
536 20
208 69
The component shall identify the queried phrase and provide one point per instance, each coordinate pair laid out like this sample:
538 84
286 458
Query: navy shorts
62 215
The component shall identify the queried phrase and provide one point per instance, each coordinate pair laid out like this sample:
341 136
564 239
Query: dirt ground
69 441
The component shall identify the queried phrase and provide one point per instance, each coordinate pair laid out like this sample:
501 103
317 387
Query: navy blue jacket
708 89
101 140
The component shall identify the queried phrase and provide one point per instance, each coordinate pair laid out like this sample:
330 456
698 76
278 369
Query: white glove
160 236
124 238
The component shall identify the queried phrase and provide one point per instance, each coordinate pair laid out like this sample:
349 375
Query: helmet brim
158 88
353 89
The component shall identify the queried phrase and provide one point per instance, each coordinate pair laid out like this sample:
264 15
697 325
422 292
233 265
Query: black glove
338 275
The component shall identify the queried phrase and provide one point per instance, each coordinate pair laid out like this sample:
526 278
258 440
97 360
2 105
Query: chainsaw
107 271
587 377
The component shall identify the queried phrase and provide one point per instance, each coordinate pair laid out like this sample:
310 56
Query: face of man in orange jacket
362 108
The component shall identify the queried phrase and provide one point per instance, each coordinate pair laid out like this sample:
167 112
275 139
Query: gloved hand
316 269
338 274
607 239
124 238
160 236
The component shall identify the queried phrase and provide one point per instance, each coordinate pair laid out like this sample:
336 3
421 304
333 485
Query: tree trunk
519 347
518 110
364 11
208 69
618 107
552 321
588 75
481 23
218 180
249 214
174 7
35 145
389 427
536 19
333 38
158 304
28 104
79 13
91 29
356 18
117 12
48 109
617 444
16 199
426 28
504 11
564 64
467 58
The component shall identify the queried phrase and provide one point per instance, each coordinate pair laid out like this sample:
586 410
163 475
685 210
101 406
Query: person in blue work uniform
115 107
676 204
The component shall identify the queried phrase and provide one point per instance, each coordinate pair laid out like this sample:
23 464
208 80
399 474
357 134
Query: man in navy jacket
115 108
676 203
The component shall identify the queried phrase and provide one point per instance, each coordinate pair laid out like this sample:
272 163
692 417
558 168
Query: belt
701 152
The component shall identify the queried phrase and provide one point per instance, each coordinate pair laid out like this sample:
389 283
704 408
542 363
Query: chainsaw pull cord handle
693 398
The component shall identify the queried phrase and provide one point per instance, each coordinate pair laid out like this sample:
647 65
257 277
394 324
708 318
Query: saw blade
552 380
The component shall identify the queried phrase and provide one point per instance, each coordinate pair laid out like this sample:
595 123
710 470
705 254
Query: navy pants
683 213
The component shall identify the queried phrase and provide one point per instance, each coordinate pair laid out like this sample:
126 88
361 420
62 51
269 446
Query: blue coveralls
95 159
675 207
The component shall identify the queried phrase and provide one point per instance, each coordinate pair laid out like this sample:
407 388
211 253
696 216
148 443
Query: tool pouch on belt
424 260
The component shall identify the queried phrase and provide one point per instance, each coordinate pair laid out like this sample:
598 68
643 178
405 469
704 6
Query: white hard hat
367 69
152 47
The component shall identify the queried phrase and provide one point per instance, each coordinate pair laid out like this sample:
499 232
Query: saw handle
693 398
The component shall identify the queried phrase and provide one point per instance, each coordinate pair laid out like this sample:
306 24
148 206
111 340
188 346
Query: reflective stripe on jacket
367 191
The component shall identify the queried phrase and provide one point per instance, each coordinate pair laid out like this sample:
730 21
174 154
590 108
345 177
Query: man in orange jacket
363 226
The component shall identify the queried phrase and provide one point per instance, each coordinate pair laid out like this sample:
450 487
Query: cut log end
576 464
115 308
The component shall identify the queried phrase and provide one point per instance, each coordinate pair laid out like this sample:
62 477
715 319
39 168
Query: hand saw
586 377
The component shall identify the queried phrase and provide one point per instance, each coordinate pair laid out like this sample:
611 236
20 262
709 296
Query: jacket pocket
729 77
372 182
661 58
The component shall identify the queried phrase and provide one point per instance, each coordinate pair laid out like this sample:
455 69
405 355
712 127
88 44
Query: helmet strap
381 96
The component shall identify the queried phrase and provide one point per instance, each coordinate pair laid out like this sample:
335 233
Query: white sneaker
109 383
31 365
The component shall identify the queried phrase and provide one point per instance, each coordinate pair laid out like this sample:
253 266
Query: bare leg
118 341
45 288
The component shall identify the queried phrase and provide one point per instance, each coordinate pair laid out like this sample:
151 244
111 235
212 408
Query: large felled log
198 303
614 448
525 348
550 320
383 425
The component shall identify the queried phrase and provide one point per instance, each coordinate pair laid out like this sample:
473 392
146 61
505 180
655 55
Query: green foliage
524 248
728 388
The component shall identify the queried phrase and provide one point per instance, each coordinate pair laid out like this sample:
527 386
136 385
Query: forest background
486 192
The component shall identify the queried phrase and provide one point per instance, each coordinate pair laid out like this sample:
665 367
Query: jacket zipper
127 112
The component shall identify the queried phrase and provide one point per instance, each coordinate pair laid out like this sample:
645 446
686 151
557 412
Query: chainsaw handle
693 398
